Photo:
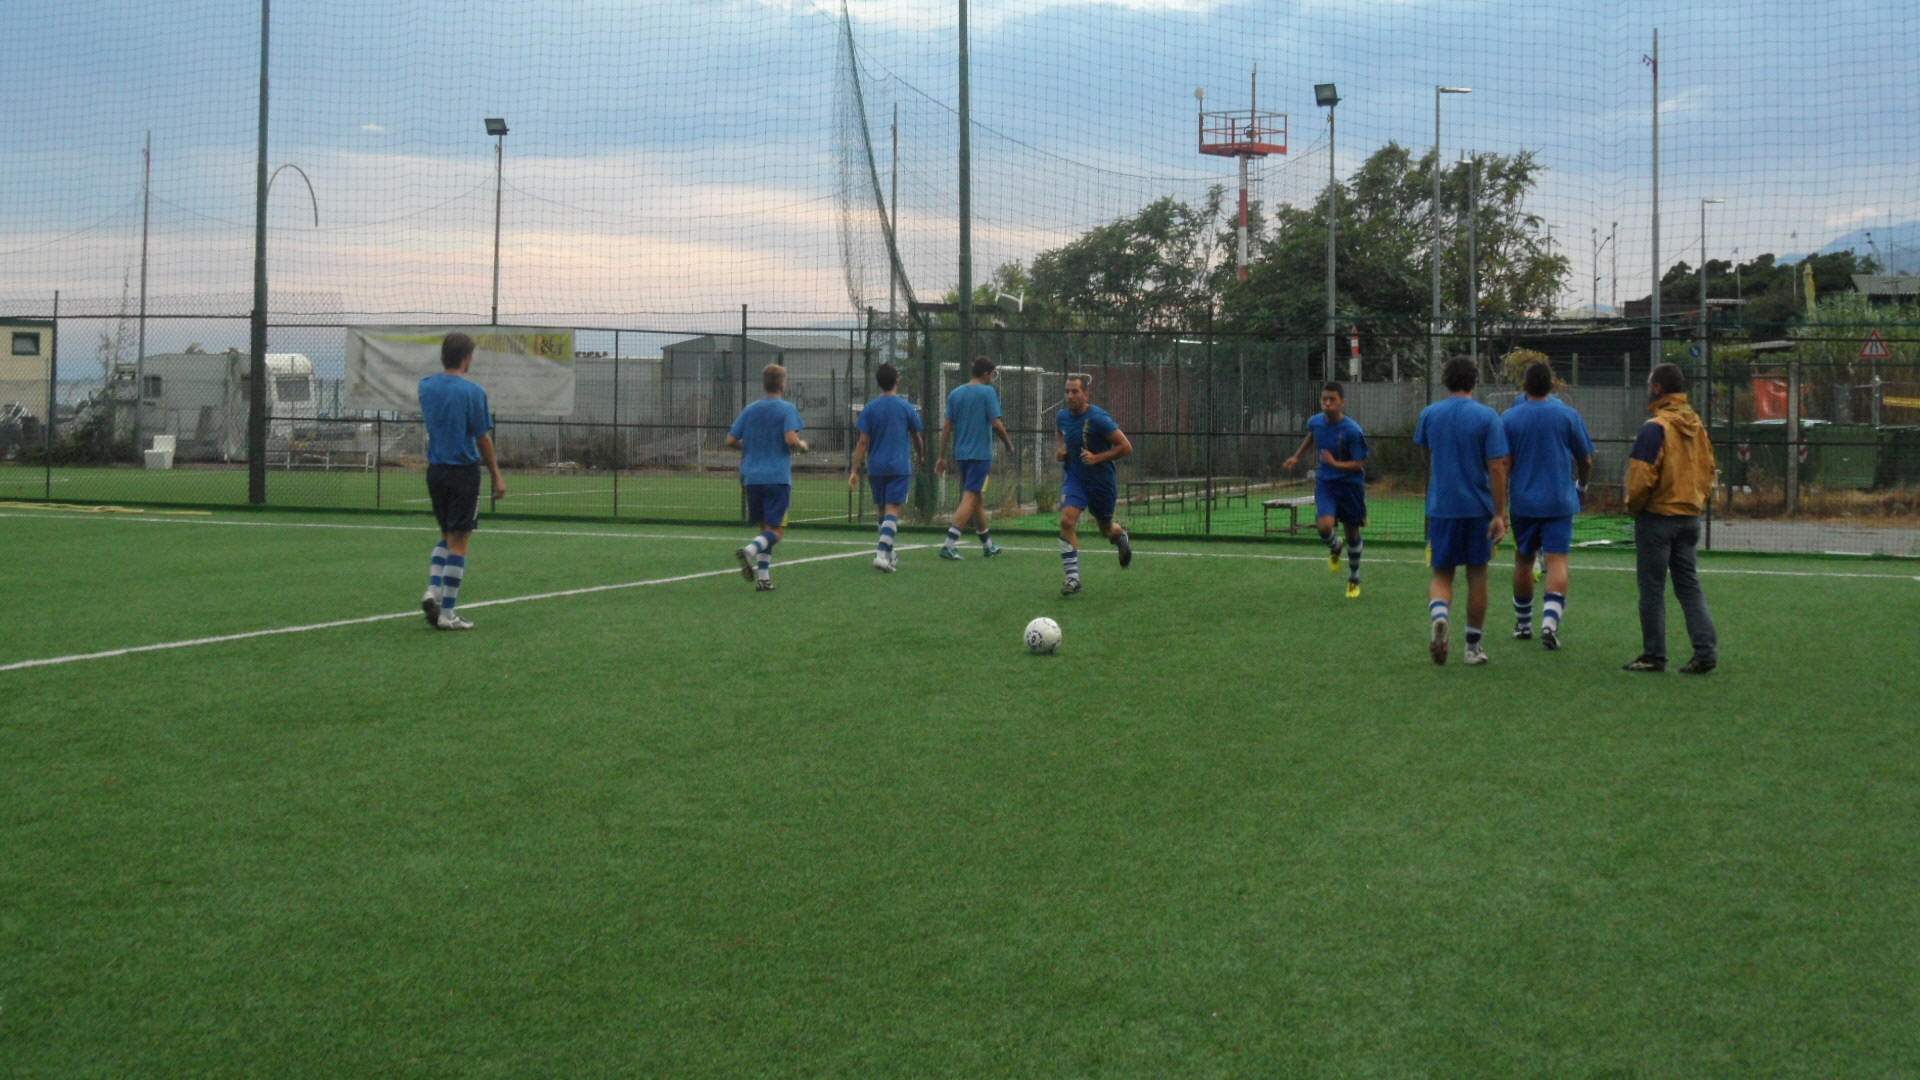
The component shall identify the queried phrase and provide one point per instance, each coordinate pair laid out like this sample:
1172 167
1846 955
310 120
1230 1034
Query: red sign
1803 451
1875 349
1745 450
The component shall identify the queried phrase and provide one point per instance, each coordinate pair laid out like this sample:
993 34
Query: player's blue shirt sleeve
1578 440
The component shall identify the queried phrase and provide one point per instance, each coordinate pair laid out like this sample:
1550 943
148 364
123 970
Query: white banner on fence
524 369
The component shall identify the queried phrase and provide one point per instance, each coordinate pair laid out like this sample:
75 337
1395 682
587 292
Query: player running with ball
1090 442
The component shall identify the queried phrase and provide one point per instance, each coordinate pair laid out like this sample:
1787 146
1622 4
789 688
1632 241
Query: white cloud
1854 217
374 129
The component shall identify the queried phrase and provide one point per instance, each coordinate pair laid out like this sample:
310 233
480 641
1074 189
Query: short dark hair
455 349
1539 380
886 376
774 378
1460 374
982 365
1669 378
1085 381
1335 387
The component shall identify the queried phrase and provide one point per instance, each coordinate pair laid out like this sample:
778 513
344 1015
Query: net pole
53 388
619 437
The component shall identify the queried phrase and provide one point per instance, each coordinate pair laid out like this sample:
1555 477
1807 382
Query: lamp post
1327 97
1433 342
497 127
1599 246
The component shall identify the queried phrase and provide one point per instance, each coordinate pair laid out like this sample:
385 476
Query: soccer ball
1043 635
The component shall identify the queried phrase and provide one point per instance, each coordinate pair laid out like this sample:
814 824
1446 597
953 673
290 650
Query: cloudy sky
673 160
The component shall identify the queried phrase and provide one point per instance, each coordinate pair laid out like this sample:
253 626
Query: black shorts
456 496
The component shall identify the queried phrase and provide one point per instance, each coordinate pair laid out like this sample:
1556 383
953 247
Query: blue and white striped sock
889 528
450 577
1353 558
986 538
764 569
762 543
1523 612
1554 608
1473 637
1436 610
953 537
1331 538
437 569
1069 559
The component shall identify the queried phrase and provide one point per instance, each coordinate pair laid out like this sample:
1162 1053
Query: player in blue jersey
459 440
1339 482
766 433
1090 442
966 436
1466 502
889 441
1552 462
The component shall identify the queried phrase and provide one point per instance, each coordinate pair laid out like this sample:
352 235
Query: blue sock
889 528
1069 559
1523 613
764 570
1436 610
1473 637
1554 608
986 537
953 536
1353 559
437 570
450 578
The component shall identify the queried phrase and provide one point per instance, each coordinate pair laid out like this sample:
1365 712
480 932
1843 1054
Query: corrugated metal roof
764 342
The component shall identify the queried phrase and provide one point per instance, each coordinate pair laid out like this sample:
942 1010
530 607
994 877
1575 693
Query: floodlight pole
1433 341
966 204
1653 62
499 165
257 391
140 357
1331 99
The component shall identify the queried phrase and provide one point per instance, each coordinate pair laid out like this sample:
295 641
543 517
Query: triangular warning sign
1875 349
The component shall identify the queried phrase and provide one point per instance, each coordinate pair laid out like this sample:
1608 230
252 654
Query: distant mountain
1898 246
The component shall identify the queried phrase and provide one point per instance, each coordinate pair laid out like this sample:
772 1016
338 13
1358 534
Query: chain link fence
1816 453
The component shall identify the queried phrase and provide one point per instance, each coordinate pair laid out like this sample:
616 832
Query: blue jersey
972 408
762 430
1091 430
1461 436
889 422
455 411
1546 438
1347 443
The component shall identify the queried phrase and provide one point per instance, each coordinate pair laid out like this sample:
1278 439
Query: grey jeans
1663 543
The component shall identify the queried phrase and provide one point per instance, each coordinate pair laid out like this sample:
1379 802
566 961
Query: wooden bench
1291 504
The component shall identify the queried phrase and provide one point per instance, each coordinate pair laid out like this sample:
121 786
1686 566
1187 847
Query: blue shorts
890 490
1552 535
767 504
1340 501
1096 499
1459 542
973 474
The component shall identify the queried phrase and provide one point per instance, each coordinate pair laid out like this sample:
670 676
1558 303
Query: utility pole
1653 320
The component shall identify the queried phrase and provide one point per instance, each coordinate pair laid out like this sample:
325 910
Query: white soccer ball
1043 635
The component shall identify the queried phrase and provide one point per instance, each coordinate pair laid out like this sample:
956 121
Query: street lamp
1704 203
1325 96
1599 246
1433 343
497 127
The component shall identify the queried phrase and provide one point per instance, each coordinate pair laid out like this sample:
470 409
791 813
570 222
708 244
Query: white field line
414 614
532 494
723 536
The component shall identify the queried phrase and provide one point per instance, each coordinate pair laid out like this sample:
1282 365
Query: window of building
26 343
151 389
293 388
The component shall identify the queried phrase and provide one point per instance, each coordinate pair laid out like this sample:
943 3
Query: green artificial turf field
644 821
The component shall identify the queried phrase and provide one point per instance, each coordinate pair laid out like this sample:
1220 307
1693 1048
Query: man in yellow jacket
1669 480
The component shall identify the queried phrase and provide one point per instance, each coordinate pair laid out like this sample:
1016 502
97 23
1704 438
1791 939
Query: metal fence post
379 458
53 388
619 437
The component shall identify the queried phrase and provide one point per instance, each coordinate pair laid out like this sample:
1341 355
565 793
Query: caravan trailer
201 399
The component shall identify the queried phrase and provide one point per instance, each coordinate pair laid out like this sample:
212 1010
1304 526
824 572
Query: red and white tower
1244 134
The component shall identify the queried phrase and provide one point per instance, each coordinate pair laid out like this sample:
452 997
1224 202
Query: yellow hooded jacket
1671 469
